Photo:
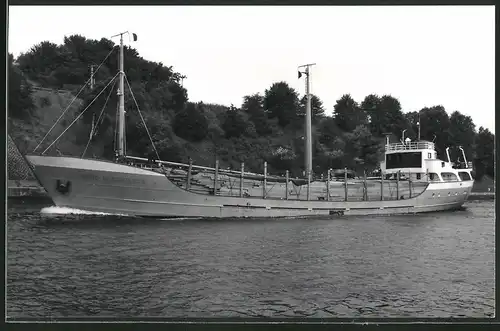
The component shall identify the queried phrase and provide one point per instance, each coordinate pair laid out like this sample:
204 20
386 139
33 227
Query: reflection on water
427 265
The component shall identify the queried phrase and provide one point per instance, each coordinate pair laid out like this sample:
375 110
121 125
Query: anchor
63 188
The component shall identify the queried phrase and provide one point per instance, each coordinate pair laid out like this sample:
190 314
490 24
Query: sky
422 55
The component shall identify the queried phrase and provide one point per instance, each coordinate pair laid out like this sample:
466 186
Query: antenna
418 124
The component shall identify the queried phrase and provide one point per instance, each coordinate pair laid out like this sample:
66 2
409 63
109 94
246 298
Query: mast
121 103
121 98
308 149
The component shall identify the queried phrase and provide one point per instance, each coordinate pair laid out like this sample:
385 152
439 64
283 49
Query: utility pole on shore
92 78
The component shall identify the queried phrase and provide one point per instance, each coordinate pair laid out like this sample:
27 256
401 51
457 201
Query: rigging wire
92 132
83 87
142 118
100 116
76 119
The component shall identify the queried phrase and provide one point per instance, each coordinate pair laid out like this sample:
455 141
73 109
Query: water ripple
432 265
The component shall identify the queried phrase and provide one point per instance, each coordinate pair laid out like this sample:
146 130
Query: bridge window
464 175
429 155
449 177
433 177
404 160
418 176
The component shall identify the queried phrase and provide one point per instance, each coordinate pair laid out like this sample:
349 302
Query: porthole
439 195
449 193
433 195
456 193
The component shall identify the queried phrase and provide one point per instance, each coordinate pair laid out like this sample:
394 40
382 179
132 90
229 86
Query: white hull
109 187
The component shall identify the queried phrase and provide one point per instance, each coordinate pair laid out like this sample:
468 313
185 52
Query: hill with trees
267 126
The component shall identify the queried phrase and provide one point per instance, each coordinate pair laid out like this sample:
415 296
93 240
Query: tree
371 105
178 96
385 115
191 124
412 118
328 131
435 126
281 102
282 158
253 105
40 61
484 162
159 128
362 149
317 109
234 124
347 114
462 132
20 102
69 64
331 155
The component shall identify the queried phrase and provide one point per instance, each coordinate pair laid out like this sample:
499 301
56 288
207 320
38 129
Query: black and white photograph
250 162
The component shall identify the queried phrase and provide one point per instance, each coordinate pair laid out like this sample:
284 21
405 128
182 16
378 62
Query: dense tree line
20 102
267 126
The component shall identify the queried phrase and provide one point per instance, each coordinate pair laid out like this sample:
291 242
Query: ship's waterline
117 188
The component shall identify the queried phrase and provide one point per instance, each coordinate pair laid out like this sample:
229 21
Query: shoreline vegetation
267 126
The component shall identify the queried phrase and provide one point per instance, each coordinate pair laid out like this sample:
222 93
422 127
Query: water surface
429 265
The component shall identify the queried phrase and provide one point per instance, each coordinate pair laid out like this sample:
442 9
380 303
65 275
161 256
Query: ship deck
357 189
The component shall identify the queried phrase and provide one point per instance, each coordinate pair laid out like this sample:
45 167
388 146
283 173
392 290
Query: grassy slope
27 134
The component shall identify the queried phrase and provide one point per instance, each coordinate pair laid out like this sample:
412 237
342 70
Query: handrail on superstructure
414 145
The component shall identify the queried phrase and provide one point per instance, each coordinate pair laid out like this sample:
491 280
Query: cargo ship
412 180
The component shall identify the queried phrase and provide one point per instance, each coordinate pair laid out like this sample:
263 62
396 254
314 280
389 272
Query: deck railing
414 145
222 182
